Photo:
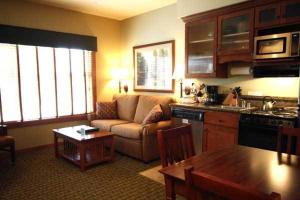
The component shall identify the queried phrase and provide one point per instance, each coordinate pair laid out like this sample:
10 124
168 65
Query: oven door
263 137
272 46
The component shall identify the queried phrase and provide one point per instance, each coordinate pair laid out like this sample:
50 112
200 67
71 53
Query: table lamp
178 75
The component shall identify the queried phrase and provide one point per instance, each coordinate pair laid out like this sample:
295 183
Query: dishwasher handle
183 113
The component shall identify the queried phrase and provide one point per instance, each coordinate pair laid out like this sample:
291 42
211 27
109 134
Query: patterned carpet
38 175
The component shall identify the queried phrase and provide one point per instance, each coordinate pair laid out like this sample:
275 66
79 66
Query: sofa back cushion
146 103
126 105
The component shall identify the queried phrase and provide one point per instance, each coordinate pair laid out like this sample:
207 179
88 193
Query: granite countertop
220 108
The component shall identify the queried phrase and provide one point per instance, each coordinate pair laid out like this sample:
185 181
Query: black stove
259 128
278 117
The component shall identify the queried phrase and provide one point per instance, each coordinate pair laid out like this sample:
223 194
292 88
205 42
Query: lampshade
178 73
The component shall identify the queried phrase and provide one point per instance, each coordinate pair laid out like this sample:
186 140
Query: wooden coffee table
84 151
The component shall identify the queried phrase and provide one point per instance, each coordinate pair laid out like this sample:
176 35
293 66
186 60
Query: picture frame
154 66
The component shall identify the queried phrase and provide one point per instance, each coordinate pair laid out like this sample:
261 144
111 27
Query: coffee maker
212 95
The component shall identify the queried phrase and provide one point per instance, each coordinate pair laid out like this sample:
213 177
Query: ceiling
115 9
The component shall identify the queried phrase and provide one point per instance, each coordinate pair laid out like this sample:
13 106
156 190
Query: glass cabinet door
235 32
267 15
290 11
201 47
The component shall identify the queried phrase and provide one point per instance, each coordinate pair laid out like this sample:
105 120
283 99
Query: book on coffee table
86 128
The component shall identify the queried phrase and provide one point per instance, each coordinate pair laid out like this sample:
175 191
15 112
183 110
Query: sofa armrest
150 129
91 116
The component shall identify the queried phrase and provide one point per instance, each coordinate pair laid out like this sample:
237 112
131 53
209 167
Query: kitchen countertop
220 108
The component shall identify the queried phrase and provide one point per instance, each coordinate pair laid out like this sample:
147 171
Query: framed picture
153 67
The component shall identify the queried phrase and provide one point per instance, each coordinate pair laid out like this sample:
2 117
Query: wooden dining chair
289 133
203 186
7 143
175 144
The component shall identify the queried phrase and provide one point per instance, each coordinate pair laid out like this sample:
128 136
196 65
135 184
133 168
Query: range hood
275 70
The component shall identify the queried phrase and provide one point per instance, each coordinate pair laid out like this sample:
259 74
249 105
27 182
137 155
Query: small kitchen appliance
283 45
212 94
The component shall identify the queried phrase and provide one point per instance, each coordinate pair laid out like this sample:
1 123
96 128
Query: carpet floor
39 175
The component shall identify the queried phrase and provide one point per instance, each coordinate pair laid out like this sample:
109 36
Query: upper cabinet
268 15
290 11
235 35
225 35
280 13
201 43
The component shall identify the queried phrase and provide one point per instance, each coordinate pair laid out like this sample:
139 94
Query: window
40 83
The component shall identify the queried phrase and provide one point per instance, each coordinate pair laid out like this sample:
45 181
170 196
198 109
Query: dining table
262 170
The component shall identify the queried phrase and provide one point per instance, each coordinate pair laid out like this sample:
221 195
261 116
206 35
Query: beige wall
107 31
163 24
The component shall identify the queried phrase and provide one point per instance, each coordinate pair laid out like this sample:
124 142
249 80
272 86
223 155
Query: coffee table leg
56 145
112 150
169 186
82 157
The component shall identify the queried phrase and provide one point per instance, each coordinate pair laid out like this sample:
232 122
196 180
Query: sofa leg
13 153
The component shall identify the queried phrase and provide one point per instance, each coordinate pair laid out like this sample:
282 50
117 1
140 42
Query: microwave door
272 46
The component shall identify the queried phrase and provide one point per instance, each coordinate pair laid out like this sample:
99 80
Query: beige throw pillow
154 115
107 110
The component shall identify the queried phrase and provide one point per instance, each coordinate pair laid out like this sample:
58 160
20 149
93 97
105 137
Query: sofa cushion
106 110
146 103
154 115
126 105
106 124
130 130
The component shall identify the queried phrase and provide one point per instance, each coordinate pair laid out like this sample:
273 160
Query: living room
116 31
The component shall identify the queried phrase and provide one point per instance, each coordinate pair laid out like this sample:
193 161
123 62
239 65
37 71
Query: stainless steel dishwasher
181 116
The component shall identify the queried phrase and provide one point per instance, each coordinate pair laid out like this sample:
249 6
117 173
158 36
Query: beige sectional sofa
131 136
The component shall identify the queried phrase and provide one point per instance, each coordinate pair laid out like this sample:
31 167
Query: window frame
56 119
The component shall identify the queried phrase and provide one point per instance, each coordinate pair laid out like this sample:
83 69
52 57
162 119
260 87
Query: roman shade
37 37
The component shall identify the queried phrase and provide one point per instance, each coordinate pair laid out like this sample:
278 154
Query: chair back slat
290 134
200 184
175 144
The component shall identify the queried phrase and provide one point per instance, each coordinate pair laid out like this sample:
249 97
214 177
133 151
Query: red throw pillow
106 110
154 115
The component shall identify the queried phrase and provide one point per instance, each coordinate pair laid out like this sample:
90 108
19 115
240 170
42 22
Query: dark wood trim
71 81
94 83
173 66
227 9
84 76
55 79
69 118
38 79
19 82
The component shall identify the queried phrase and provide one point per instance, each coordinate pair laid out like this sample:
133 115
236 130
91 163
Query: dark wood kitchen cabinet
290 11
220 129
201 43
235 37
278 13
267 15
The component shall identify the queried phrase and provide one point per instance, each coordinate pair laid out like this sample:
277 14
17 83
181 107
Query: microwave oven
282 45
